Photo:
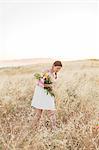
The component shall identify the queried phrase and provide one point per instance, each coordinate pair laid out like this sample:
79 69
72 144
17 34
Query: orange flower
46 75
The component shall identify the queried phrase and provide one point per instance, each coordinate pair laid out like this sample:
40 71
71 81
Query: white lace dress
41 99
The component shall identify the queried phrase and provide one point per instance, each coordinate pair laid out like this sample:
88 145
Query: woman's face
56 68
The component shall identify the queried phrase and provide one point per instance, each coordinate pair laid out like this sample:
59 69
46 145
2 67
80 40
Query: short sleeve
44 71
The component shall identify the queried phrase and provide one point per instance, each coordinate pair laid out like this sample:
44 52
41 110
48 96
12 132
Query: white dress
40 98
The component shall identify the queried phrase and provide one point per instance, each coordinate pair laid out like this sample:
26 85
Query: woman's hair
57 63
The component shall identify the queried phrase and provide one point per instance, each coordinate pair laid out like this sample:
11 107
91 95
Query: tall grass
77 103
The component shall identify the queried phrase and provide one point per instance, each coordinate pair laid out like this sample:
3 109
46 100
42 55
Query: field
77 103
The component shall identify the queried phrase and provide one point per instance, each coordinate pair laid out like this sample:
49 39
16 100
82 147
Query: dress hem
42 108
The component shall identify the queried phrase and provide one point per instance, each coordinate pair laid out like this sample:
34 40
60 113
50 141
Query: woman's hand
47 85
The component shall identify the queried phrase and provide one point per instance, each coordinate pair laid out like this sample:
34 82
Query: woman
41 101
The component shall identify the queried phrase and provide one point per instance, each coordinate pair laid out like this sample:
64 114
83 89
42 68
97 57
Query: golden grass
77 103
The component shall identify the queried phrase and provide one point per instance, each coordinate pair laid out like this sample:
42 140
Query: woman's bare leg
52 116
36 119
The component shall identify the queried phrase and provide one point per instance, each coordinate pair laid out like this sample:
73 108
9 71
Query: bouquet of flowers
46 82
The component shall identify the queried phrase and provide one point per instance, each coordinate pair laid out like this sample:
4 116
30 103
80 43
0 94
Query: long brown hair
57 63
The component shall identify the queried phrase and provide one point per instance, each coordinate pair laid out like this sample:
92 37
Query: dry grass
77 102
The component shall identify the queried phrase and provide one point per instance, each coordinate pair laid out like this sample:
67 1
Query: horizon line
50 58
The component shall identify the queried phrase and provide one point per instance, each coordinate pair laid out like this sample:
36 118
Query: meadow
77 103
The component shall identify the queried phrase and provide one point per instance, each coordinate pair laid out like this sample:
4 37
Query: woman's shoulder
45 70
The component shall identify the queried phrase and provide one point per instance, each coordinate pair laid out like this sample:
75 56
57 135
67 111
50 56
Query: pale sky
49 29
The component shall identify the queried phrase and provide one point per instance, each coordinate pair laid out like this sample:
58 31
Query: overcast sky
52 28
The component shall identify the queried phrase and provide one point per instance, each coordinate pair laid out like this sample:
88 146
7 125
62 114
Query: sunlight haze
43 29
